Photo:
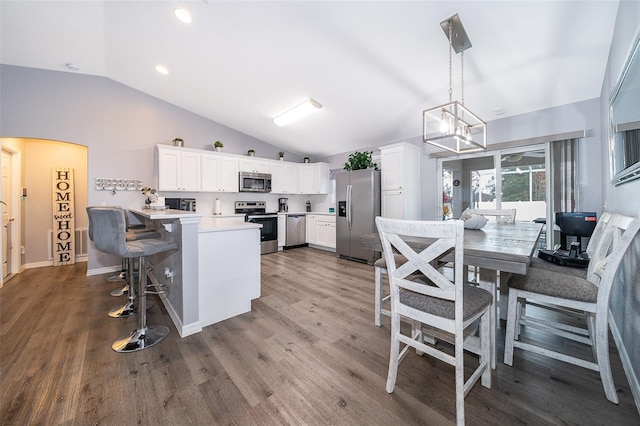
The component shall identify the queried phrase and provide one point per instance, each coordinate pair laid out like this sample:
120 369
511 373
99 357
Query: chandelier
452 126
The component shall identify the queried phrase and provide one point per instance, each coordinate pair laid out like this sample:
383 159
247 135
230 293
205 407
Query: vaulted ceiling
374 66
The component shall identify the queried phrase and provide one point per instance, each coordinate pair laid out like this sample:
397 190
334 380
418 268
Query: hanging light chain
462 74
450 62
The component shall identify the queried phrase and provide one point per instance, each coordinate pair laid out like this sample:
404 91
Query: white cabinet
250 164
284 178
400 181
326 231
312 232
178 169
219 173
313 178
321 230
282 229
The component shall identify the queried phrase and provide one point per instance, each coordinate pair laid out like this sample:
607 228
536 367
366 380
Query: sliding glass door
503 180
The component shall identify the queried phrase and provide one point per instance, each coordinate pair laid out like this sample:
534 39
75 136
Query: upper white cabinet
251 164
400 181
219 173
178 169
194 170
313 178
284 178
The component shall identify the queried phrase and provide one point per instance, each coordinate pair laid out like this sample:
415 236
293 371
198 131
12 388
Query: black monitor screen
577 224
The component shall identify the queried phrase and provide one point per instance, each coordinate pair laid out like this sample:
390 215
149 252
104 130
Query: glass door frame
497 156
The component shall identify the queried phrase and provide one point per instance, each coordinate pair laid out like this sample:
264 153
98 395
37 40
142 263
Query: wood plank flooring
307 354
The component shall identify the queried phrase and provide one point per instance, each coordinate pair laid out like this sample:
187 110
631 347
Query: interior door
6 213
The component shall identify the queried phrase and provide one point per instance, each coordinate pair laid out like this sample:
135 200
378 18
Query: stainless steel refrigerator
358 201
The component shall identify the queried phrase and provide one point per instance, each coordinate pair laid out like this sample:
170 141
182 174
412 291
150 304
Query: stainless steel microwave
255 182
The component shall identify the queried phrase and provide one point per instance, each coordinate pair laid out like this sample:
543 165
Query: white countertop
165 214
217 224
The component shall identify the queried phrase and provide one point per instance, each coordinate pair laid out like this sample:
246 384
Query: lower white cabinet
321 230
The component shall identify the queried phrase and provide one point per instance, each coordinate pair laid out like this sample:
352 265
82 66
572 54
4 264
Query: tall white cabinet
400 192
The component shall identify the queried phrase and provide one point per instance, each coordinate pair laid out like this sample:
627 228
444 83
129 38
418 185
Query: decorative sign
64 244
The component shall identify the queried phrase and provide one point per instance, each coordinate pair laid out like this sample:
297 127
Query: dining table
498 246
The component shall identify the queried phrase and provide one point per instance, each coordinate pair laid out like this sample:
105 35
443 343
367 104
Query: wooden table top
498 246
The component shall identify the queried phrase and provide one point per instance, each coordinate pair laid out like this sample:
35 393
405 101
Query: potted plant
218 145
360 160
251 153
178 142
305 159
281 155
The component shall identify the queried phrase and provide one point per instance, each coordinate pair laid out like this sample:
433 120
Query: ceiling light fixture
298 111
162 69
72 67
183 15
452 126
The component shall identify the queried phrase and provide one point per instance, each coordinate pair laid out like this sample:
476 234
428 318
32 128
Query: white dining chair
590 295
380 271
500 216
421 293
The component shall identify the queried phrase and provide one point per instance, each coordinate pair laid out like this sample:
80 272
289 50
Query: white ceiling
373 65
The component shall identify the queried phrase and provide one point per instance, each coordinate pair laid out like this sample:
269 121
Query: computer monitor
577 224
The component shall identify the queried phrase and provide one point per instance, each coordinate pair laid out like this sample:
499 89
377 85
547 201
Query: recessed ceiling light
73 67
162 69
499 111
182 15
297 112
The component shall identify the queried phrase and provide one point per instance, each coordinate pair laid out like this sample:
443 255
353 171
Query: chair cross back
422 262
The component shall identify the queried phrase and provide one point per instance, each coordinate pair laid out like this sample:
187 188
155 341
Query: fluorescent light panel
297 112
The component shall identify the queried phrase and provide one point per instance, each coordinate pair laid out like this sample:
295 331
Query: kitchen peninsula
214 274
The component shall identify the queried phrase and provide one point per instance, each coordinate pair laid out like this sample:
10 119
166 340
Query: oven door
269 222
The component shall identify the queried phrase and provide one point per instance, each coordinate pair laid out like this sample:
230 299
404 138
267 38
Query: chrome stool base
120 291
127 310
141 339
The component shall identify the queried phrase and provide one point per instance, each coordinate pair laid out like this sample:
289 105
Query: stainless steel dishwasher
296 230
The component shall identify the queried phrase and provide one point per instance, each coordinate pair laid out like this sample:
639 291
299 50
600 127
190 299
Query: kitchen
124 147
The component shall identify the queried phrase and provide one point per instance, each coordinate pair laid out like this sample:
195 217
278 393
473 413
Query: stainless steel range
256 212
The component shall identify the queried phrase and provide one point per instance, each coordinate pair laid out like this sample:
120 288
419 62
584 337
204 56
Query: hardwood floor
307 354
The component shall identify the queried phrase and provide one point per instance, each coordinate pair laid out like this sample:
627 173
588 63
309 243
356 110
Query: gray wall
119 125
625 303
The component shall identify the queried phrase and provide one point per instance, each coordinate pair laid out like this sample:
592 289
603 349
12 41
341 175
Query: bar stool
134 232
128 269
109 236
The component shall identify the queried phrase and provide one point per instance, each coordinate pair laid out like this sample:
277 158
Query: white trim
105 270
630 373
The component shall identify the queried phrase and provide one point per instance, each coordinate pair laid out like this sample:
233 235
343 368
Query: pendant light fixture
452 126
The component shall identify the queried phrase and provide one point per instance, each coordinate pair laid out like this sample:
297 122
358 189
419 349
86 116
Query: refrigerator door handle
349 206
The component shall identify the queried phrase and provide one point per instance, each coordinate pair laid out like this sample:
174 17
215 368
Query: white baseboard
183 330
315 246
632 375
45 263
105 270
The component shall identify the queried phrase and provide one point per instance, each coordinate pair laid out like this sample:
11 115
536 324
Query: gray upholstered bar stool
109 236
129 308
134 232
